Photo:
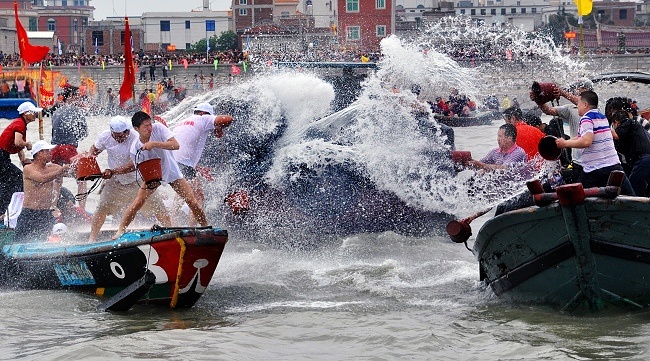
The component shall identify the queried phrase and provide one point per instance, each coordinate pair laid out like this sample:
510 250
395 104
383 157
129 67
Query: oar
459 230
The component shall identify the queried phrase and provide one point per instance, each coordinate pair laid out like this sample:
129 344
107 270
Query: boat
483 118
9 106
631 76
166 266
578 250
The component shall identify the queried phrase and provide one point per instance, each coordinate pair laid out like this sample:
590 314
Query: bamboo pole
38 101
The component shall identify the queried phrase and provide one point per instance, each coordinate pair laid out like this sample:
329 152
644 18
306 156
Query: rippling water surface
369 296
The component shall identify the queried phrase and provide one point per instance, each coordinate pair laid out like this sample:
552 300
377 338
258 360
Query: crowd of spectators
13 60
228 57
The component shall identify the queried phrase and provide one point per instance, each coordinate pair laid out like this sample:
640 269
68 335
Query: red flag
234 70
126 90
29 53
146 105
185 63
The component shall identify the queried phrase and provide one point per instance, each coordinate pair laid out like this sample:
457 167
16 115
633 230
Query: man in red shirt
13 140
528 137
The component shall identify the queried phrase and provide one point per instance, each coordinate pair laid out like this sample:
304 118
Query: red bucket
543 92
461 156
151 170
548 149
88 169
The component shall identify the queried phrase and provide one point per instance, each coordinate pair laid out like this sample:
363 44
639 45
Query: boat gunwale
41 250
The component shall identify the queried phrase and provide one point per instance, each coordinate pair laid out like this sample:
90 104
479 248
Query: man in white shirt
121 186
156 141
192 134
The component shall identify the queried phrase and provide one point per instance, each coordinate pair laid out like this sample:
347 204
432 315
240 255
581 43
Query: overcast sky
106 8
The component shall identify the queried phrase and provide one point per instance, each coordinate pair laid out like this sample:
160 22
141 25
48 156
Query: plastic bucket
151 170
543 92
461 156
548 149
88 169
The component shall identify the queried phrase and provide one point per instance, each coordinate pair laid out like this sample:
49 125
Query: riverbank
111 76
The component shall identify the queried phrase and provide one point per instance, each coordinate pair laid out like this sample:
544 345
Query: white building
412 9
182 29
525 14
324 13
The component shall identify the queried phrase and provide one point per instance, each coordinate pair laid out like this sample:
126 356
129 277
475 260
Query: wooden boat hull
182 260
573 257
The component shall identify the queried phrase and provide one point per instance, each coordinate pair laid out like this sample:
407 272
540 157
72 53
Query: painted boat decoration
166 266
9 106
589 251
484 118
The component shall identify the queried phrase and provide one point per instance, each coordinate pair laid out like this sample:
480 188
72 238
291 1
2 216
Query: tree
227 41
559 23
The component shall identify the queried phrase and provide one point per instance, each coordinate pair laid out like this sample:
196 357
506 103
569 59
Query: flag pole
38 101
582 39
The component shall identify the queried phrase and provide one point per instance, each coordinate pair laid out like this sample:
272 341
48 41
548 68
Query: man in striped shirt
599 157
507 153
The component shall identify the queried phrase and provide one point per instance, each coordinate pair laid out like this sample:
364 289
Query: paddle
548 149
459 230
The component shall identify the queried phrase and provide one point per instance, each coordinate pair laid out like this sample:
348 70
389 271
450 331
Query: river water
365 296
370 296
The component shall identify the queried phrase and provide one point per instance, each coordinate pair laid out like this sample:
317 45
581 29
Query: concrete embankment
111 76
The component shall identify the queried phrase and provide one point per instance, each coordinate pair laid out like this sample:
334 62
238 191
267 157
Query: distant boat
9 106
167 266
483 118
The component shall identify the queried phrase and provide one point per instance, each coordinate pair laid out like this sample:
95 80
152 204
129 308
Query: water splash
380 164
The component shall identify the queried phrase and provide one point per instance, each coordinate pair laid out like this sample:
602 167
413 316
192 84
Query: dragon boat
579 250
166 266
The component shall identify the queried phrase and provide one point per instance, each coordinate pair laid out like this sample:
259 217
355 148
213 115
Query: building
179 30
524 14
248 14
68 20
107 36
614 13
362 24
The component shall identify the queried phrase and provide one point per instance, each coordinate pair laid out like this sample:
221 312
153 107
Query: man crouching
41 184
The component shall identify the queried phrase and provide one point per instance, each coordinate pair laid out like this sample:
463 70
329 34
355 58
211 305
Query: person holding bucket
568 114
155 141
599 156
192 133
69 127
120 187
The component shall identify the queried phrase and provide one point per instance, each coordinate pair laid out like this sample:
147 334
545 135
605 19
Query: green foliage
559 23
226 41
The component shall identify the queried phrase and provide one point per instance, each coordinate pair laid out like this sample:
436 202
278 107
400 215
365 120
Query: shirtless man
41 184
156 141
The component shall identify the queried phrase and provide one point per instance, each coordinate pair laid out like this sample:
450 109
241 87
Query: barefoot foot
117 234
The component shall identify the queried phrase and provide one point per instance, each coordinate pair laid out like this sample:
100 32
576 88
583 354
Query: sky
108 8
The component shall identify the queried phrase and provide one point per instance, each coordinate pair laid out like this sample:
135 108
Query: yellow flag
584 6
170 64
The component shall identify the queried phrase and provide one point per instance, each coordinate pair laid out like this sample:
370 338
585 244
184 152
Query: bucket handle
81 196
98 182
